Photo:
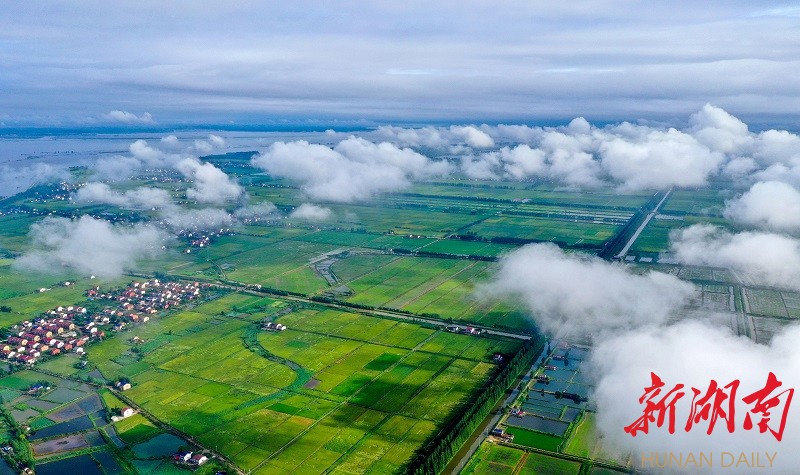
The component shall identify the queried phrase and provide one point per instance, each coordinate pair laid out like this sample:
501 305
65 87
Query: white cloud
577 294
771 205
89 246
630 157
204 219
214 143
151 156
14 180
125 117
656 159
517 163
472 136
116 168
143 197
693 354
171 141
770 259
353 170
740 168
173 217
777 146
263 210
430 137
311 212
787 173
570 157
437 137
719 130
209 183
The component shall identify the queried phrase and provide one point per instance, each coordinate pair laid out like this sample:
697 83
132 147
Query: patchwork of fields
493 218
440 287
340 392
337 390
556 431
68 416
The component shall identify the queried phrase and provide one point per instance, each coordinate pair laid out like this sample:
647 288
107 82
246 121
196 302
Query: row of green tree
17 452
435 456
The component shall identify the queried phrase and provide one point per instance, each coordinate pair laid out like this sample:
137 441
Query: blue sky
170 62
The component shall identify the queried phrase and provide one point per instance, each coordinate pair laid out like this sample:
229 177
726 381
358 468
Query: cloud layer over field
311 212
629 156
223 201
143 197
89 246
772 205
769 259
17 179
694 353
626 156
170 154
578 295
640 324
353 170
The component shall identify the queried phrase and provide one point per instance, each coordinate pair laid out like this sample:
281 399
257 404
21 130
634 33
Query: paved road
635 236
495 418
380 313
248 289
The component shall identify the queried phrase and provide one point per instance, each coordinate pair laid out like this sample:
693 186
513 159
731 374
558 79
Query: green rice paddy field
364 395
501 460
492 458
337 392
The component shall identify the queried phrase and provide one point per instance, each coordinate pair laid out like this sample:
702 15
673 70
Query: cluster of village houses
140 299
200 239
70 328
53 333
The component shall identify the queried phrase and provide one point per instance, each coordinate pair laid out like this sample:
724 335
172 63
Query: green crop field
494 459
702 202
766 302
540 464
569 232
585 442
423 285
655 237
403 221
341 392
500 460
535 439
336 391
450 246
